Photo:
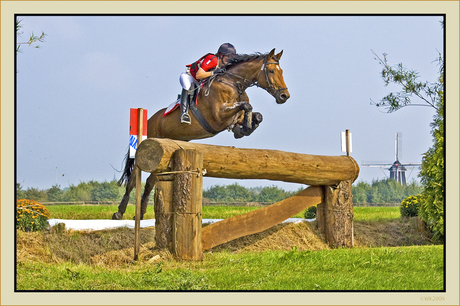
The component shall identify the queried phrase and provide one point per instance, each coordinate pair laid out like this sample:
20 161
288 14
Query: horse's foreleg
256 120
149 184
247 121
240 130
124 202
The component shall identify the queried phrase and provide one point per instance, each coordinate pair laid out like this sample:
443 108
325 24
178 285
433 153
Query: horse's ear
278 56
270 55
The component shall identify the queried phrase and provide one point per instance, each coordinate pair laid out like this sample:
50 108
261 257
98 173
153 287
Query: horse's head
271 77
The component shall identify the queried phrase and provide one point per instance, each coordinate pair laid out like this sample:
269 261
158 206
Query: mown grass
400 268
91 212
376 213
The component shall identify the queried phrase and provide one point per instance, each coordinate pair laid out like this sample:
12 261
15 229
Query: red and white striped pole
138 126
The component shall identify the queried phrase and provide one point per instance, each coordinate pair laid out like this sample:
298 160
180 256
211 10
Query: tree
432 95
273 194
407 78
55 193
36 195
81 192
106 191
238 193
217 193
432 173
20 194
360 192
33 40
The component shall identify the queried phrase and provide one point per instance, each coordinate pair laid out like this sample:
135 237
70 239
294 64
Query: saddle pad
172 107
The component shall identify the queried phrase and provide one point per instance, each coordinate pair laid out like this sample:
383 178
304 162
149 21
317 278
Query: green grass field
91 212
400 268
417 267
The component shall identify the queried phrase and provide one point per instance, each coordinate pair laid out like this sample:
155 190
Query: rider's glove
219 71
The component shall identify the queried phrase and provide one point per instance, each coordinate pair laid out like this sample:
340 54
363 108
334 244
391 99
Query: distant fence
205 203
377 205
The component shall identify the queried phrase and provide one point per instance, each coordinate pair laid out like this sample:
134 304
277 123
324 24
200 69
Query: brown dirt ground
114 248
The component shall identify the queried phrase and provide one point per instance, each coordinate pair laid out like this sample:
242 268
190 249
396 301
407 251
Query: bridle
247 83
270 89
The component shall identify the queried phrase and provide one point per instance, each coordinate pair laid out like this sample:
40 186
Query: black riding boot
184 105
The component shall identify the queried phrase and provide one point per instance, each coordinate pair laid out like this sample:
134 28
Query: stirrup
185 118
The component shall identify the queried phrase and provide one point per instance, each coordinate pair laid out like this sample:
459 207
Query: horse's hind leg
149 184
124 202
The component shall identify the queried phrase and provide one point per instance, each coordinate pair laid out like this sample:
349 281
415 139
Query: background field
93 212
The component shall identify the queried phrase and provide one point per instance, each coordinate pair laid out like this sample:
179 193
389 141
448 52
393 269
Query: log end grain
149 155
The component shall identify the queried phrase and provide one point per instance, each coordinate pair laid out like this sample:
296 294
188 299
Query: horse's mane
242 58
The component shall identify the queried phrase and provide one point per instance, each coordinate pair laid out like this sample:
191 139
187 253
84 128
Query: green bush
31 215
310 212
432 176
410 206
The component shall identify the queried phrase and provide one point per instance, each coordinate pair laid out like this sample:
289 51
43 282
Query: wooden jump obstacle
180 167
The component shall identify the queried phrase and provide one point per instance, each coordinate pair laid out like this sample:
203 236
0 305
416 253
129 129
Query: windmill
397 169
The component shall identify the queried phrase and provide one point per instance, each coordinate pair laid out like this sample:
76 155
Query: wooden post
137 217
348 140
164 212
335 215
187 200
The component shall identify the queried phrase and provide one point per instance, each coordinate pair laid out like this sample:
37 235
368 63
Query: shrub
310 212
31 215
409 206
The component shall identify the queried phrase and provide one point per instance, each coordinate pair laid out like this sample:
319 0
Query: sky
74 93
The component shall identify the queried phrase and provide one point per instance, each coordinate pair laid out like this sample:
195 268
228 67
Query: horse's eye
272 71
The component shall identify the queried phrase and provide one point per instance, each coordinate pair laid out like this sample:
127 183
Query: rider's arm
201 74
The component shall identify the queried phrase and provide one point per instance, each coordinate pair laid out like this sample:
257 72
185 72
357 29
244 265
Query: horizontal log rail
154 155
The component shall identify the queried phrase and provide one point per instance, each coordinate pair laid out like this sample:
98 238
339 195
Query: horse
221 103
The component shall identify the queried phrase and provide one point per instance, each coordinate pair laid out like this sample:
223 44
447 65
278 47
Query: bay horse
222 104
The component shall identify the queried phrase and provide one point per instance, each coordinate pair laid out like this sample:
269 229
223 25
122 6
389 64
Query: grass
91 212
401 268
376 213
389 254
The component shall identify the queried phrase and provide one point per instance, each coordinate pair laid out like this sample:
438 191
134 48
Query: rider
205 67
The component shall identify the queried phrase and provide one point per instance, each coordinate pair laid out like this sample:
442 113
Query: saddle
176 103
195 111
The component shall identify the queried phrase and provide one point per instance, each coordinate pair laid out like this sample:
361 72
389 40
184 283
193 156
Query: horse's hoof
117 216
237 133
257 118
142 218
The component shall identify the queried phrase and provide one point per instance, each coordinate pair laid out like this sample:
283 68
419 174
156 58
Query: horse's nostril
284 97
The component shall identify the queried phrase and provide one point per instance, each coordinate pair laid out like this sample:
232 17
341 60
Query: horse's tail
127 171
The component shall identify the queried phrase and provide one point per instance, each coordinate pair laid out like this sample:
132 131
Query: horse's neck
249 70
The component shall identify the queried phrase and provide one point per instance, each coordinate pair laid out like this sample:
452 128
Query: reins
247 83
240 88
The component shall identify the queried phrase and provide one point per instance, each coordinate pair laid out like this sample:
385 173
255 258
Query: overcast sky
75 92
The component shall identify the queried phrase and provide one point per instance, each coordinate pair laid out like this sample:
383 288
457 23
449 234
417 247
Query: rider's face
225 59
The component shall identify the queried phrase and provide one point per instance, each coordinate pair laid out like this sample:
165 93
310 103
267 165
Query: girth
200 118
